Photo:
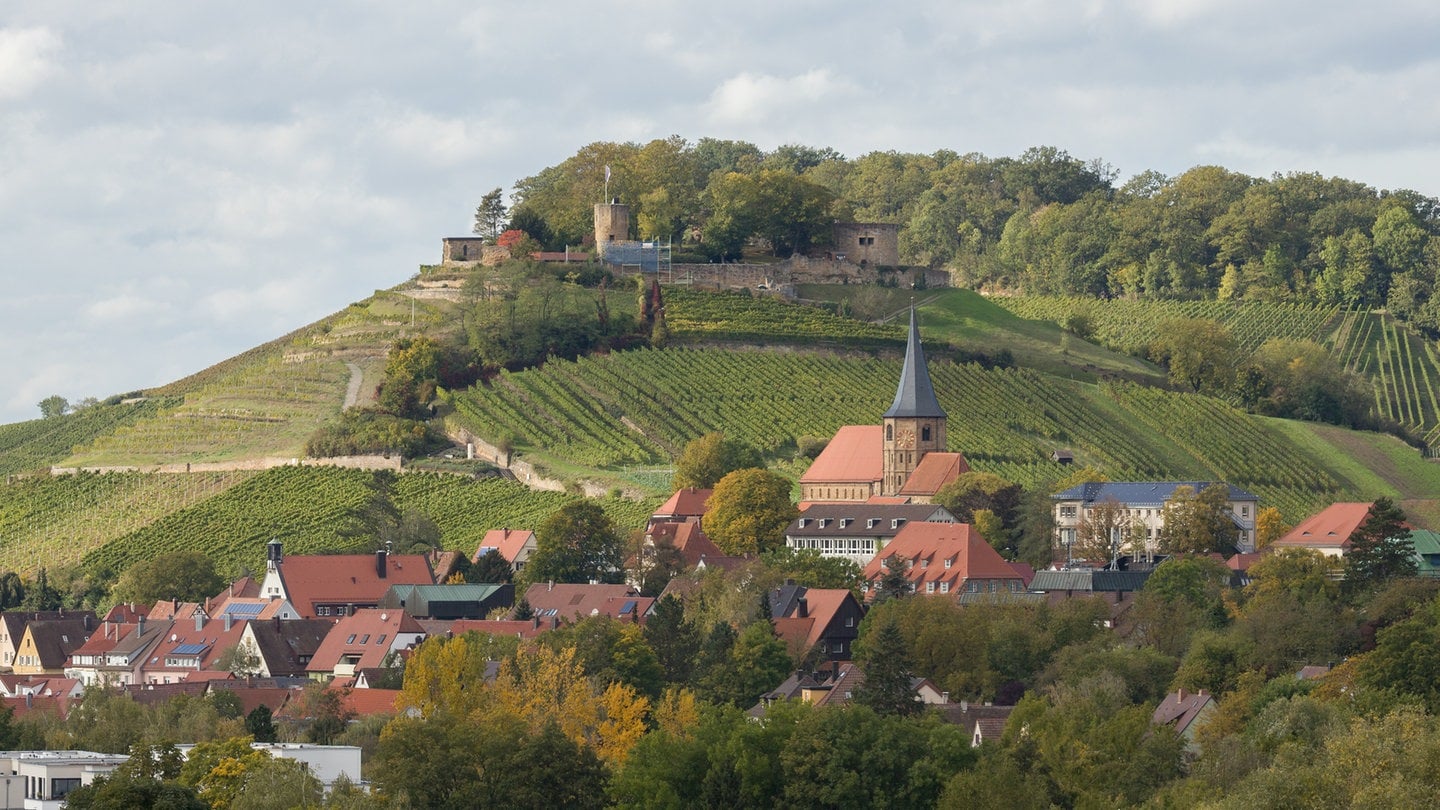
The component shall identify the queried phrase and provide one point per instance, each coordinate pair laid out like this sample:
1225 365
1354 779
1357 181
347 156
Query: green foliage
808 567
189 576
749 511
26 446
707 459
1380 548
1198 522
362 431
1198 353
886 664
577 543
756 663
54 407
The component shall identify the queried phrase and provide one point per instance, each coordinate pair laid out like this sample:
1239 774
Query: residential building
687 505
1142 505
362 640
857 531
321 586
515 545
573 602
823 622
42 779
284 648
1327 531
12 628
449 601
194 644
115 653
947 559
1185 712
46 645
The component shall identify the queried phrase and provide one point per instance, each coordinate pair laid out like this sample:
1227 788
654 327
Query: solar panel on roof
189 649
244 609
627 607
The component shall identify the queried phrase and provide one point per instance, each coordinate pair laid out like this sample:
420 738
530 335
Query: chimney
535 622
801 609
380 563
141 631
199 621
1181 693
550 586
87 618
277 622
228 619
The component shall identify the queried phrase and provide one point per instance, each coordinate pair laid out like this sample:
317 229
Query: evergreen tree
885 660
491 568
673 639
895 582
260 724
1380 549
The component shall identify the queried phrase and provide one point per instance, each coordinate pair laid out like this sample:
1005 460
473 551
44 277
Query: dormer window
845 522
895 523
870 524
803 522
947 562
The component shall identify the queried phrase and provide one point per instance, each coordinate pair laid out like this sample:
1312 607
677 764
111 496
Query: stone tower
612 224
915 423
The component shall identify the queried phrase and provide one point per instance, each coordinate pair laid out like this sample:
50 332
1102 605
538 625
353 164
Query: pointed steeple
915 397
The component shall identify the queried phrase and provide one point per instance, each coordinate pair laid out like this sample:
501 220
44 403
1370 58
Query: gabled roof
1085 579
1181 708
1141 493
465 600
522 628
509 542
242 588
286 647
856 453
934 471
204 644
943 552
853 519
915 396
687 538
685 503
348 579
57 638
576 601
369 633
16 620
1331 527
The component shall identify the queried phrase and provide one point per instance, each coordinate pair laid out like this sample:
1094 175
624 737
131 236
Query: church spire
915 397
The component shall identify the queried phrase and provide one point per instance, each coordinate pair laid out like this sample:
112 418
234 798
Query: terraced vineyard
38 443
1131 326
741 317
1404 367
304 506
642 406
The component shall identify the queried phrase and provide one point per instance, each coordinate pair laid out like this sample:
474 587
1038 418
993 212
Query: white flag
607 172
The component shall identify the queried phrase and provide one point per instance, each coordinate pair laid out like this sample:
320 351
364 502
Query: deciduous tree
706 460
749 510
577 543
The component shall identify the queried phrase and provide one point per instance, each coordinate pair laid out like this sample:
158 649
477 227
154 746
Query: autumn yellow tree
1269 527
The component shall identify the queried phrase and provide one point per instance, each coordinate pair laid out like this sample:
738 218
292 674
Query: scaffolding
641 257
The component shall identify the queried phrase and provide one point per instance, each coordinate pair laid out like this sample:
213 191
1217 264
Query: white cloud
750 97
26 59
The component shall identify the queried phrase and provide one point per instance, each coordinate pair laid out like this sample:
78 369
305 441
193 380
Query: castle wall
471 250
867 243
612 224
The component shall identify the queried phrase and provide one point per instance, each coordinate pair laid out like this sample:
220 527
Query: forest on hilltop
1045 222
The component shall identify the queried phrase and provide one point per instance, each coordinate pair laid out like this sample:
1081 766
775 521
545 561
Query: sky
181 181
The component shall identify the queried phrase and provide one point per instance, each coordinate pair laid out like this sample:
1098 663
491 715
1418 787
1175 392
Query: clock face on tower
905 439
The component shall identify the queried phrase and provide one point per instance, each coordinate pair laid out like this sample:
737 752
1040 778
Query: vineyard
57 520
38 443
641 406
763 319
1402 365
304 507
1131 326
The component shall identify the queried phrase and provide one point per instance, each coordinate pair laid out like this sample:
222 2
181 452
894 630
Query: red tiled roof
348 578
574 601
524 628
929 546
367 702
510 542
796 632
687 538
374 632
58 705
685 503
1331 527
855 454
1181 708
1242 562
821 604
934 471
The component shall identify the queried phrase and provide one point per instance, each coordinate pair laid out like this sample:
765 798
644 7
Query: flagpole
607 184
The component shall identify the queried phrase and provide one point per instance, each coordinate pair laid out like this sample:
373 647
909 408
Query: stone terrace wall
348 462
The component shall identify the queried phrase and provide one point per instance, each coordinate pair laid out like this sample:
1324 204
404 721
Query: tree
490 215
1380 549
808 567
895 582
706 460
1104 532
577 543
491 568
188 576
240 660
53 406
40 595
748 512
885 660
1198 353
674 640
758 662
1270 526
977 490
260 723
12 590
1198 523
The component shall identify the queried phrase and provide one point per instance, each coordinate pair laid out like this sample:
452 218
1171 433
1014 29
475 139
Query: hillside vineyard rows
1006 421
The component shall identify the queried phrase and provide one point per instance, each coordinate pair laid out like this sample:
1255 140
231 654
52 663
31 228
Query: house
823 621
515 545
362 640
1142 505
42 779
836 685
1327 531
12 628
320 586
46 645
864 461
1427 552
1117 589
195 643
983 722
934 471
945 558
1185 712
686 537
449 601
856 531
685 506
284 648
573 602
115 653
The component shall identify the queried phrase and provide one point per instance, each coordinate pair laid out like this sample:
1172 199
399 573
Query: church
903 459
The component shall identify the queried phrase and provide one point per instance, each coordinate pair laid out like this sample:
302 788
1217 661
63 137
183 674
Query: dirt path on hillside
352 393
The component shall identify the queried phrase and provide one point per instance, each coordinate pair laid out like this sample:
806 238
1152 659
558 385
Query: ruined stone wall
471 250
868 243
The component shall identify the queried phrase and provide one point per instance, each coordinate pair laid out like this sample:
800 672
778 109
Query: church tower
915 423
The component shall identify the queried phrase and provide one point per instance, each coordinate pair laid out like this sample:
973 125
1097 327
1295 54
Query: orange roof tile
930 546
685 503
509 542
348 578
855 454
934 471
370 633
1331 527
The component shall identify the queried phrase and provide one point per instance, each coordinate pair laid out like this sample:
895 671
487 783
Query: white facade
324 762
40 780
1142 506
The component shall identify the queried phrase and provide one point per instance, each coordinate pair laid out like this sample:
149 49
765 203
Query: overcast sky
180 181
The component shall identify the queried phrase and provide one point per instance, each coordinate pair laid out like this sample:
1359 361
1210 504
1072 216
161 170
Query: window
973 586
929 587
1244 511
365 639
947 562
925 433
944 587
889 433
60 788
351 639
1067 511
849 621
323 610
381 639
